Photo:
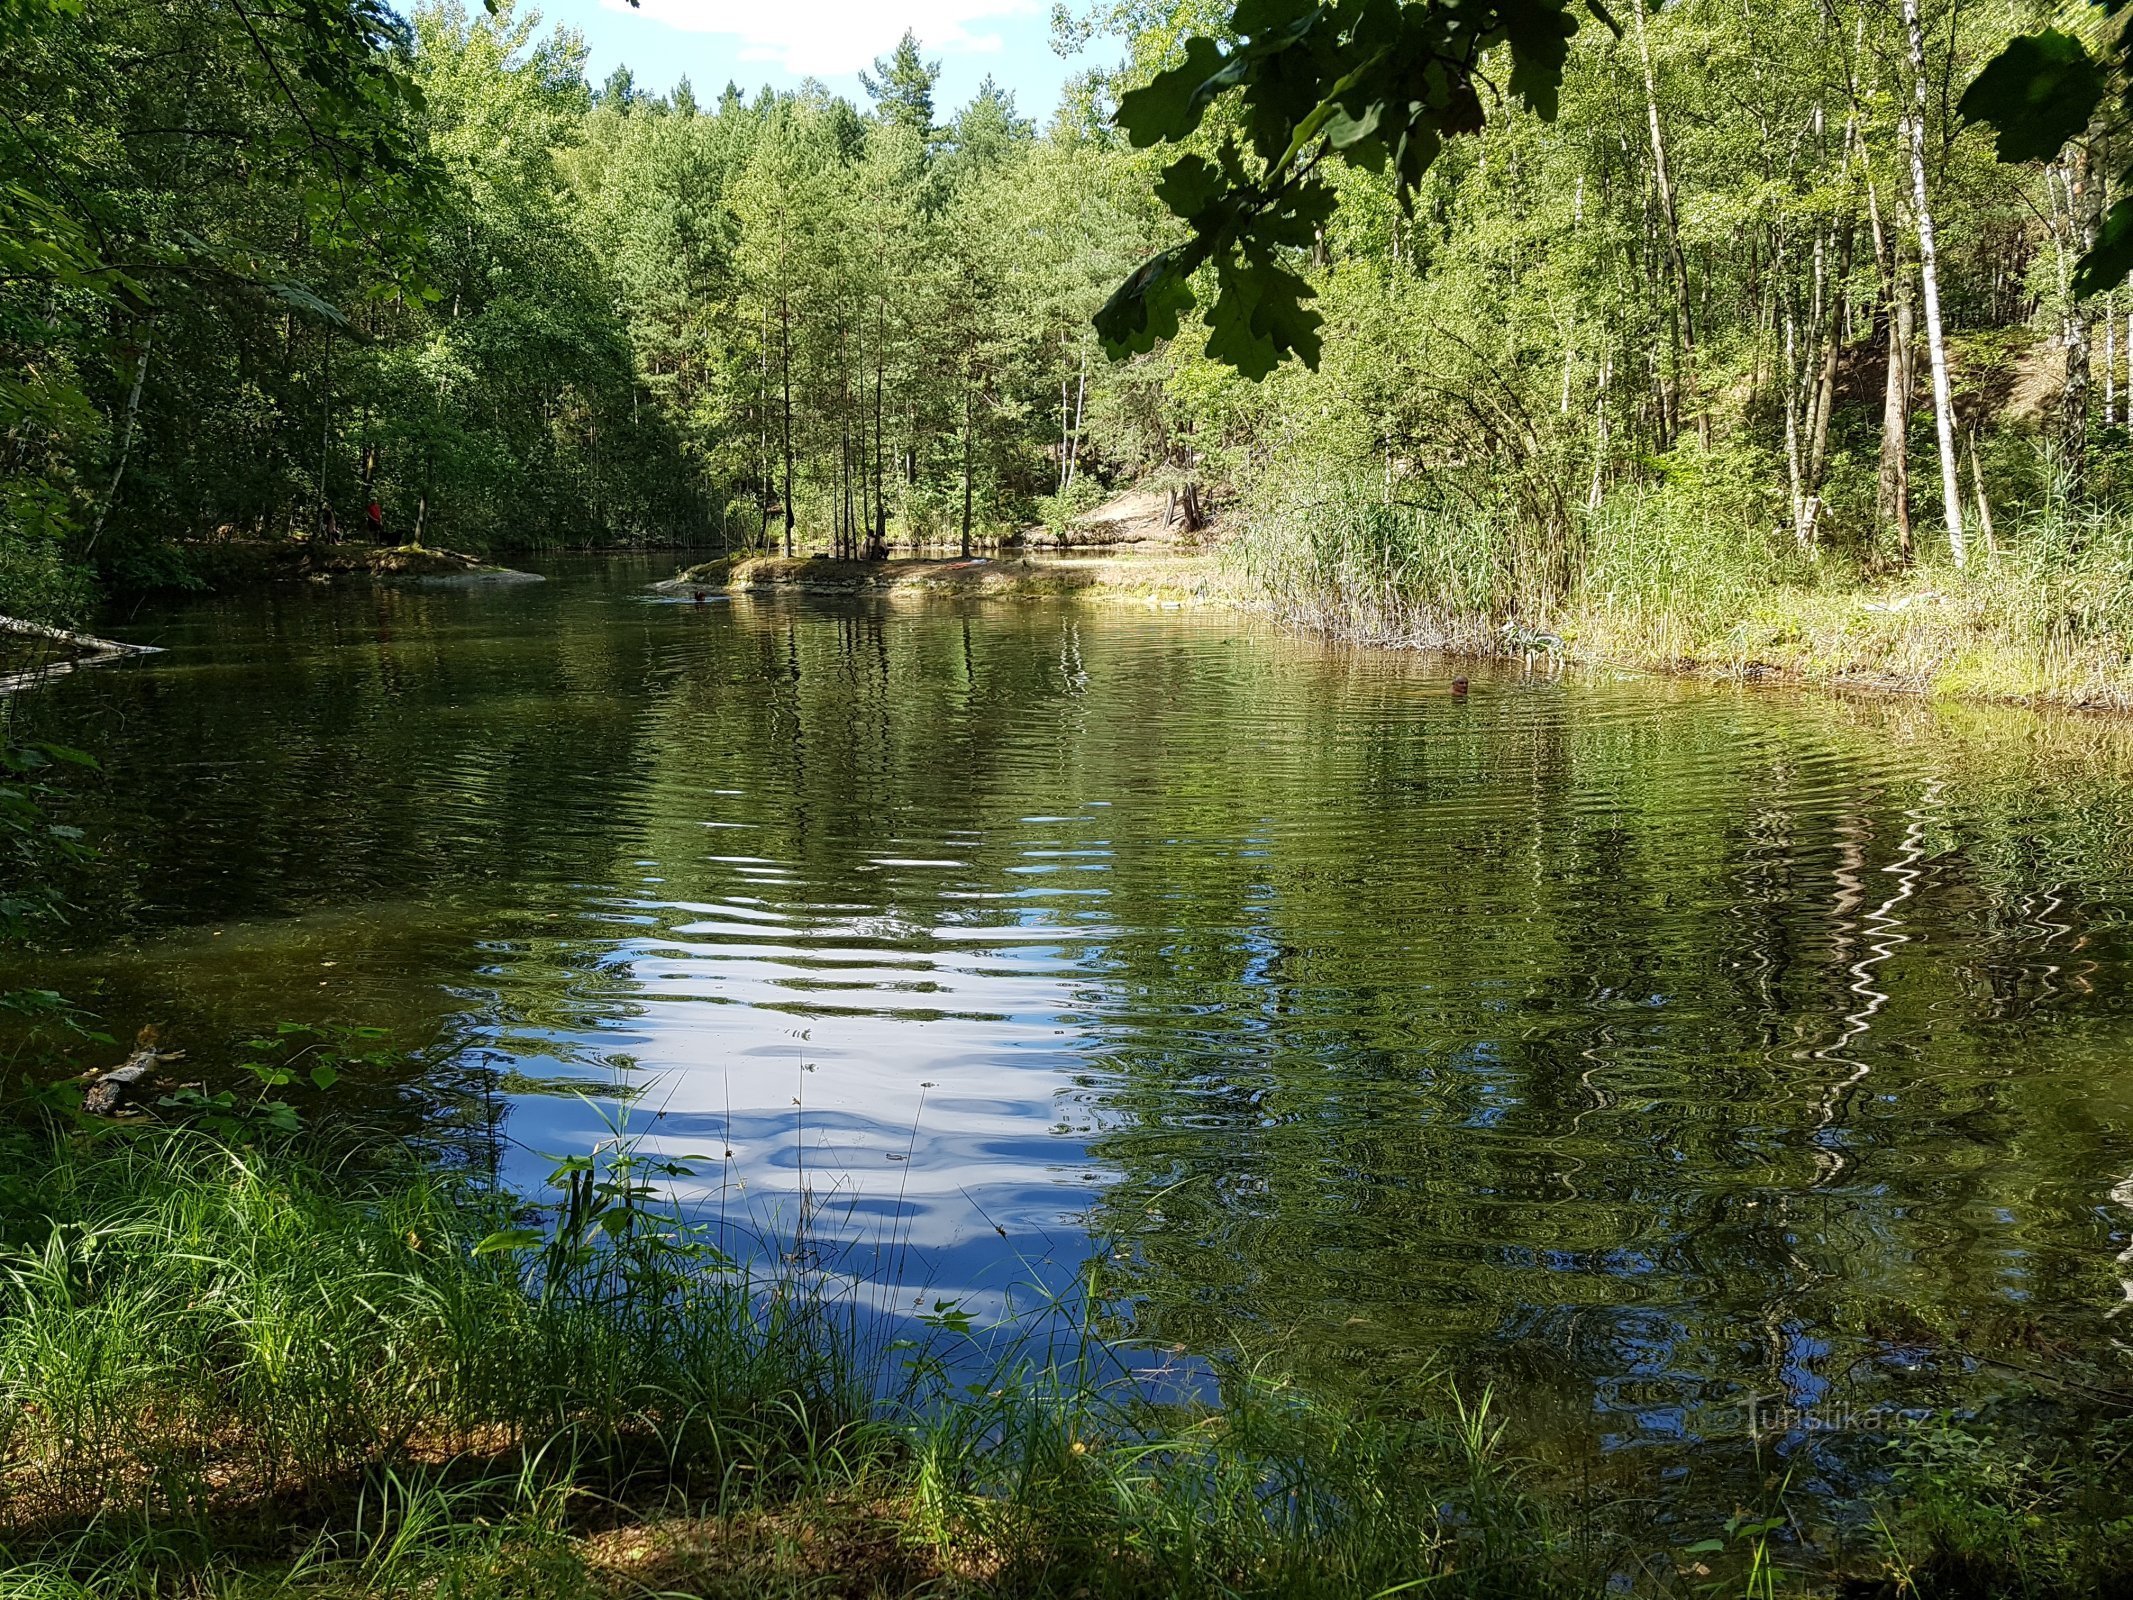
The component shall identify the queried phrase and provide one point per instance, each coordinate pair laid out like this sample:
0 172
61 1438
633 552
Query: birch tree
1929 281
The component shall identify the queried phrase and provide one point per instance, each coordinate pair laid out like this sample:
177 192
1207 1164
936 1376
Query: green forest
1744 313
1067 847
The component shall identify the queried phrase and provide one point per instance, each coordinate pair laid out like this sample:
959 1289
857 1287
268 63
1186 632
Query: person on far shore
374 522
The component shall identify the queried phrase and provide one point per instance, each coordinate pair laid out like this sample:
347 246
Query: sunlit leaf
510 1239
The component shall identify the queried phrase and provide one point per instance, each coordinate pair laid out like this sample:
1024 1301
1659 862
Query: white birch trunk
1790 389
1929 276
1081 402
1686 392
2110 370
133 414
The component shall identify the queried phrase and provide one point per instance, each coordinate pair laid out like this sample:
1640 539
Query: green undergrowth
1691 577
262 1367
231 1369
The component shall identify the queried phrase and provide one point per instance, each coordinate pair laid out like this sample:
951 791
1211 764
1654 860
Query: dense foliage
1379 86
1665 314
261 266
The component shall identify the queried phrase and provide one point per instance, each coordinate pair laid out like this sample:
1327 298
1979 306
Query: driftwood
92 651
108 1093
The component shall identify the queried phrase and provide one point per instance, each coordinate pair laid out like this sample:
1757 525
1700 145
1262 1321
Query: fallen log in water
92 650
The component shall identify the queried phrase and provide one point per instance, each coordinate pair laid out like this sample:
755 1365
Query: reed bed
1675 579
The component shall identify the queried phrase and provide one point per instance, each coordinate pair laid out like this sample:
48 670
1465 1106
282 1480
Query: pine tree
901 87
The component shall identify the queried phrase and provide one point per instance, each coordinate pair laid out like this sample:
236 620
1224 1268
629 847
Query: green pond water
1640 1048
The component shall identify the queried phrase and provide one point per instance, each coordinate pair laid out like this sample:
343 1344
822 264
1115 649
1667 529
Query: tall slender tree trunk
1892 485
1686 395
1929 279
1804 506
1081 401
1892 496
367 467
126 433
1833 324
321 514
785 325
879 549
843 541
2080 177
1984 502
863 529
765 475
970 417
2110 369
1803 396
1792 386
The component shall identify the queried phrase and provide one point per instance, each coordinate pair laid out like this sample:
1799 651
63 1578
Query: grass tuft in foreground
237 1371
223 1368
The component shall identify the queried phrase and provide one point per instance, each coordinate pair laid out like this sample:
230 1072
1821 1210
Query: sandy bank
1181 580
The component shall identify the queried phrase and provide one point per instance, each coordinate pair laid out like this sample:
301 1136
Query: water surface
1638 1047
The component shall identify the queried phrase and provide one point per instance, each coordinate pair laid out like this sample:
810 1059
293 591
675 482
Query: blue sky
779 42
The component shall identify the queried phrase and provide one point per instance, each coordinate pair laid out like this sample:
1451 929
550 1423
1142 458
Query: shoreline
1005 576
1924 639
238 565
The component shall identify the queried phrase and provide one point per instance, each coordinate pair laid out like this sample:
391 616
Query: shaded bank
239 564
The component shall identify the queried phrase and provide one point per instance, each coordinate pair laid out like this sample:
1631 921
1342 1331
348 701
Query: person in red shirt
374 521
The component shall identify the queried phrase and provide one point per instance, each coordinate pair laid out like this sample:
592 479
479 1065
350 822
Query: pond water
1640 1048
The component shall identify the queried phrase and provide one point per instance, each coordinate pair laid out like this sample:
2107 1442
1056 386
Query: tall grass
1338 557
203 1339
221 1362
1694 571
238 1371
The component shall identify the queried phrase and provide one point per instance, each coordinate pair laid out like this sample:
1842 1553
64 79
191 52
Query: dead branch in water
93 650
108 1093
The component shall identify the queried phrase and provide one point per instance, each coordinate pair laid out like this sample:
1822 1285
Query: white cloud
831 37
